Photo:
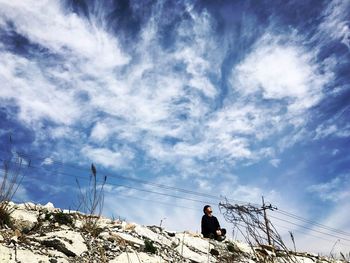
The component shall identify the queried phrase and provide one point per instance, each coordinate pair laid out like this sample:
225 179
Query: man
210 225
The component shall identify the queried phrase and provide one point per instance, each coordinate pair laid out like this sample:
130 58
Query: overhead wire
303 233
187 192
311 222
163 186
129 187
309 228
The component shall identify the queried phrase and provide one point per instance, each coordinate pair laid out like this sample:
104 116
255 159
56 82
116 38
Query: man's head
207 210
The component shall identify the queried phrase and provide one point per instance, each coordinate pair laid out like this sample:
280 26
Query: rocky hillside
48 234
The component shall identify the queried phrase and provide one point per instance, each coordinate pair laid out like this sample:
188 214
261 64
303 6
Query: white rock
189 254
305 260
27 206
73 241
49 206
194 242
5 254
78 223
24 218
103 222
128 238
60 257
244 247
29 256
147 233
8 255
133 257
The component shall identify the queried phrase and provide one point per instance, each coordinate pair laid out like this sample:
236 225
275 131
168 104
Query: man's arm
204 226
217 223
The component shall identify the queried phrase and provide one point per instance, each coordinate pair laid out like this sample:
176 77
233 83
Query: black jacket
209 225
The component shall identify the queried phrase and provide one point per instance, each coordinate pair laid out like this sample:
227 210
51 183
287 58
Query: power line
166 187
311 229
305 234
131 187
312 222
162 186
156 201
190 199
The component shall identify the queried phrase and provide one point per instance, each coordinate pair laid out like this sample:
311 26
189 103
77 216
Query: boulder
24 219
9 256
135 257
68 242
197 243
194 256
149 234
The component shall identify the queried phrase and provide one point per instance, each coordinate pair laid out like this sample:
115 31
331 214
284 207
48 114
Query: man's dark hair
205 208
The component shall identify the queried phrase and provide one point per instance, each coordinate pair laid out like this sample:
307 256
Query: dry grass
10 181
91 200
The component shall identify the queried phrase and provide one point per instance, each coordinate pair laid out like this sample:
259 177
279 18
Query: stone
49 206
128 238
68 242
128 226
243 247
196 257
194 242
8 255
24 219
135 257
103 222
149 234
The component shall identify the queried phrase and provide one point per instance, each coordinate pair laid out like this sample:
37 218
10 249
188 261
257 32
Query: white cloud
314 241
46 23
117 159
147 100
329 129
335 190
322 131
275 162
139 100
37 97
47 161
336 22
280 72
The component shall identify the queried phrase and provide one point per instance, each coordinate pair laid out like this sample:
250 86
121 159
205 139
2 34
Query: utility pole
266 221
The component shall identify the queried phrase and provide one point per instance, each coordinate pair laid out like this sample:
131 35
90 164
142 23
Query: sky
234 99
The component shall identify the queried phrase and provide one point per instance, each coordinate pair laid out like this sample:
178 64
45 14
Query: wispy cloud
336 23
180 102
336 189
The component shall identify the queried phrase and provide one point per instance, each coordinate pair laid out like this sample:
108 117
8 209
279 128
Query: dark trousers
215 236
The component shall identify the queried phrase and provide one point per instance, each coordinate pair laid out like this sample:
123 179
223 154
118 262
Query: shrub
62 218
231 248
149 247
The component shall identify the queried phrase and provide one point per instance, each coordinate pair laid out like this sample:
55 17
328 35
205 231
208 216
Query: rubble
48 234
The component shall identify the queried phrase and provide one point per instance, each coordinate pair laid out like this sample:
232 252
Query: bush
149 247
231 247
62 218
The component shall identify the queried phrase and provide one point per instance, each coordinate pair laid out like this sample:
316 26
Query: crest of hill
43 233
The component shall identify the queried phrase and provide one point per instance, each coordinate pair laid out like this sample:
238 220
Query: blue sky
230 98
